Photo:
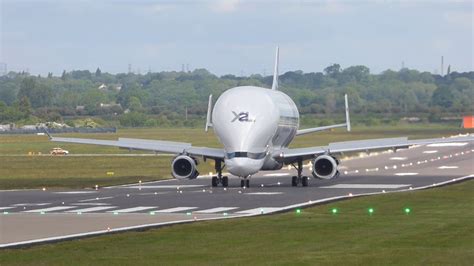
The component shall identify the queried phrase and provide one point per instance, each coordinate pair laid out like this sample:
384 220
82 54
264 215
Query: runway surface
30 216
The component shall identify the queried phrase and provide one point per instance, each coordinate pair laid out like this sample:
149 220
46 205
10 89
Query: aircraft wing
289 155
150 145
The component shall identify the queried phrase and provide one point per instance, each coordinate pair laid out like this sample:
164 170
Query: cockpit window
251 155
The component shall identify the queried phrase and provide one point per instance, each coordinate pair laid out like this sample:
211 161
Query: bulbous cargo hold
184 167
325 167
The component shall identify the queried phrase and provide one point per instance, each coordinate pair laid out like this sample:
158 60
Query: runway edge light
407 210
298 211
371 211
334 210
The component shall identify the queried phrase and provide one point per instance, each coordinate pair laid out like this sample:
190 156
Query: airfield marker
334 210
407 210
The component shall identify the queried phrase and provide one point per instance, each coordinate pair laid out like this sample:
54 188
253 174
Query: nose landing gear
245 183
219 179
295 180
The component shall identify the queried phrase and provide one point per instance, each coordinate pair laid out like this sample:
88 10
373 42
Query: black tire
225 181
304 181
294 181
214 181
242 183
247 183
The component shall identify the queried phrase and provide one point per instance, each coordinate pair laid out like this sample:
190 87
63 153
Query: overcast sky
236 37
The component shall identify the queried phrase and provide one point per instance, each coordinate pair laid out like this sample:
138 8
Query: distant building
80 108
102 87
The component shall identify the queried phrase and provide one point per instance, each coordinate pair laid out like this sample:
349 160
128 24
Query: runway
32 216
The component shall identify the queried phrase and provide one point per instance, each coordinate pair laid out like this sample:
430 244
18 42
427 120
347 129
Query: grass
18 170
438 231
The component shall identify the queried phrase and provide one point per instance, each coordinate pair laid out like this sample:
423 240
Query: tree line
166 98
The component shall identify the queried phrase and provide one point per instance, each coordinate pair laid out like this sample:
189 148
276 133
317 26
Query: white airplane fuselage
251 122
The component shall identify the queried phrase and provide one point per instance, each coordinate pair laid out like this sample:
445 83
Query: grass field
18 170
439 230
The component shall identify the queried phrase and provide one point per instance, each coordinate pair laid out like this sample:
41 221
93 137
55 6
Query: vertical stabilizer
275 71
209 114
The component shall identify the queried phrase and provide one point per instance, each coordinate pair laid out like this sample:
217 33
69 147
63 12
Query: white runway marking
388 186
76 192
452 144
264 193
398 158
261 210
177 209
167 186
96 199
448 167
135 209
277 174
215 210
405 174
92 209
52 209
6 208
431 151
91 204
30 204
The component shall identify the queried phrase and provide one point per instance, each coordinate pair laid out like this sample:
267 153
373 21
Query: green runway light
225 213
334 210
298 211
188 213
371 210
5 212
152 213
41 212
407 210
115 213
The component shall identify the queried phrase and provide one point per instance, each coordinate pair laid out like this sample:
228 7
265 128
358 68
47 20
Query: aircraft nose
243 167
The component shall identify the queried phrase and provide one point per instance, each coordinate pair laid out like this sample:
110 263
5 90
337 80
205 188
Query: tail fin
348 121
275 71
209 114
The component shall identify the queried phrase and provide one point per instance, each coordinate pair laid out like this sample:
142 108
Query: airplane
255 126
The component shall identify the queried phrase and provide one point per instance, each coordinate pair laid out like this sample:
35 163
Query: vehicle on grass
58 151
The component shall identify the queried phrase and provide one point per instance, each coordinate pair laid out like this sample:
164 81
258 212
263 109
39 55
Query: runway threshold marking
452 144
375 186
134 209
261 210
92 209
52 209
219 209
75 192
30 204
6 208
264 193
448 167
277 174
177 209
405 174
86 200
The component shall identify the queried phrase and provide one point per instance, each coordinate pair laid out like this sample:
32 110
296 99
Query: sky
234 37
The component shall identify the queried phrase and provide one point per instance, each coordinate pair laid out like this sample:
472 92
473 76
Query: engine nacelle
184 166
325 167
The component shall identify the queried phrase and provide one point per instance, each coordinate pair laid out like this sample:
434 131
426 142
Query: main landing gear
245 183
219 179
295 180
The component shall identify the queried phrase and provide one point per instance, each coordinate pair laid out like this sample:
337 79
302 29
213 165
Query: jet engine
184 166
325 167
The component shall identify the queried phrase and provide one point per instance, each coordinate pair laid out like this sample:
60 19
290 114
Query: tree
98 73
27 87
24 106
333 70
64 75
443 97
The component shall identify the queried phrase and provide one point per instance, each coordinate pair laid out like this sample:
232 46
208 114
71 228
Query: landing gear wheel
294 181
247 183
225 181
304 181
214 181
242 183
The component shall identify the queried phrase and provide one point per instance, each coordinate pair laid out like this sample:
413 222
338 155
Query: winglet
275 71
209 114
348 121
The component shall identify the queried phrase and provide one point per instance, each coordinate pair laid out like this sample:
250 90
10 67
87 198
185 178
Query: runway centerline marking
91 204
451 144
215 210
448 167
85 200
177 209
398 158
166 186
92 209
75 192
277 174
405 174
30 204
264 193
430 151
134 209
6 208
52 209
375 186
